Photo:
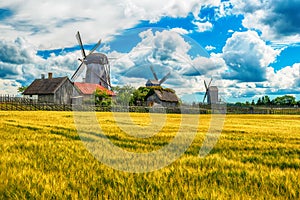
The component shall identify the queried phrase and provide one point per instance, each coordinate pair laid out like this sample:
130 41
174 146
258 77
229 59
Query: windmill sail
96 64
164 78
153 72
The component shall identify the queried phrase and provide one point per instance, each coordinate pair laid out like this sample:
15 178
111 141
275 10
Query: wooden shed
50 90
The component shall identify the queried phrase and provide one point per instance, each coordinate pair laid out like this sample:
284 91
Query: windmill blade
153 72
205 96
78 72
164 78
209 82
80 44
95 47
205 85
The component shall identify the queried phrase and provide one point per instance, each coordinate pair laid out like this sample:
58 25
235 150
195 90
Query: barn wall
64 93
46 98
153 99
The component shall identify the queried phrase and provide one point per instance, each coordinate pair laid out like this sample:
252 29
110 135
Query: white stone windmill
96 65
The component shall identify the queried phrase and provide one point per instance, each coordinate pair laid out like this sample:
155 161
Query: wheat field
42 157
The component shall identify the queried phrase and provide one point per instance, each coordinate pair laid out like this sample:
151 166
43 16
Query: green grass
42 157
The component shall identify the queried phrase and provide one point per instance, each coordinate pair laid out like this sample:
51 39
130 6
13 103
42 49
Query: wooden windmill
211 93
156 82
96 65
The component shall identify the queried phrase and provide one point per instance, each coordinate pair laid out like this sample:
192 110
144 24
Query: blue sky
249 48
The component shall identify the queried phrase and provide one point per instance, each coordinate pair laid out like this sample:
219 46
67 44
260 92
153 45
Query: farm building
50 90
164 98
85 91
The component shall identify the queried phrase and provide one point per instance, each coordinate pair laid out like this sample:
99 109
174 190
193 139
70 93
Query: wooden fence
13 103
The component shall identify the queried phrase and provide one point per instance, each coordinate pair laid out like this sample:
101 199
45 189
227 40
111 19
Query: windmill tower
156 82
211 93
96 64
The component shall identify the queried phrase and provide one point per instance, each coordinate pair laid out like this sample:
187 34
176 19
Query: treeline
127 95
286 100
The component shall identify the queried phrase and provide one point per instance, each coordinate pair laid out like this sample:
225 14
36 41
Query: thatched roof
166 96
45 86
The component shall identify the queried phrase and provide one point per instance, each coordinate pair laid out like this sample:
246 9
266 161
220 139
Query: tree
266 101
22 89
102 98
258 102
252 103
263 101
239 104
140 95
286 100
124 95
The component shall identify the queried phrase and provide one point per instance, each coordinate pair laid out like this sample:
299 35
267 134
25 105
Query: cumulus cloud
161 49
9 87
16 52
212 66
278 20
247 57
53 24
286 78
20 64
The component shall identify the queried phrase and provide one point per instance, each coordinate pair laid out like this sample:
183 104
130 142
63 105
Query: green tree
259 102
22 89
140 95
266 100
263 101
124 95
102 98
286 100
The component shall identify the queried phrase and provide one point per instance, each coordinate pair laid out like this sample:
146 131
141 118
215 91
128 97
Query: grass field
256 157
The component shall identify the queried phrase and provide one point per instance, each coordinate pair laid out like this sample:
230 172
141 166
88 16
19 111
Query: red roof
90 88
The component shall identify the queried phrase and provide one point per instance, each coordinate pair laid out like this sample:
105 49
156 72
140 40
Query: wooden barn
50 90
164 98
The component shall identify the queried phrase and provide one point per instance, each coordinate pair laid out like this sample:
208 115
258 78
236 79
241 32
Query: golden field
42 157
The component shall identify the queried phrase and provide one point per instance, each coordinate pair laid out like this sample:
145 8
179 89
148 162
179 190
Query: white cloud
181 31
203 26
210 48
277 20
53 24
213 66
248 57
165 50
286 78
20 64
9 87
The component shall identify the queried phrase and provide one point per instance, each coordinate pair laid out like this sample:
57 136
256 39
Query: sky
248 48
